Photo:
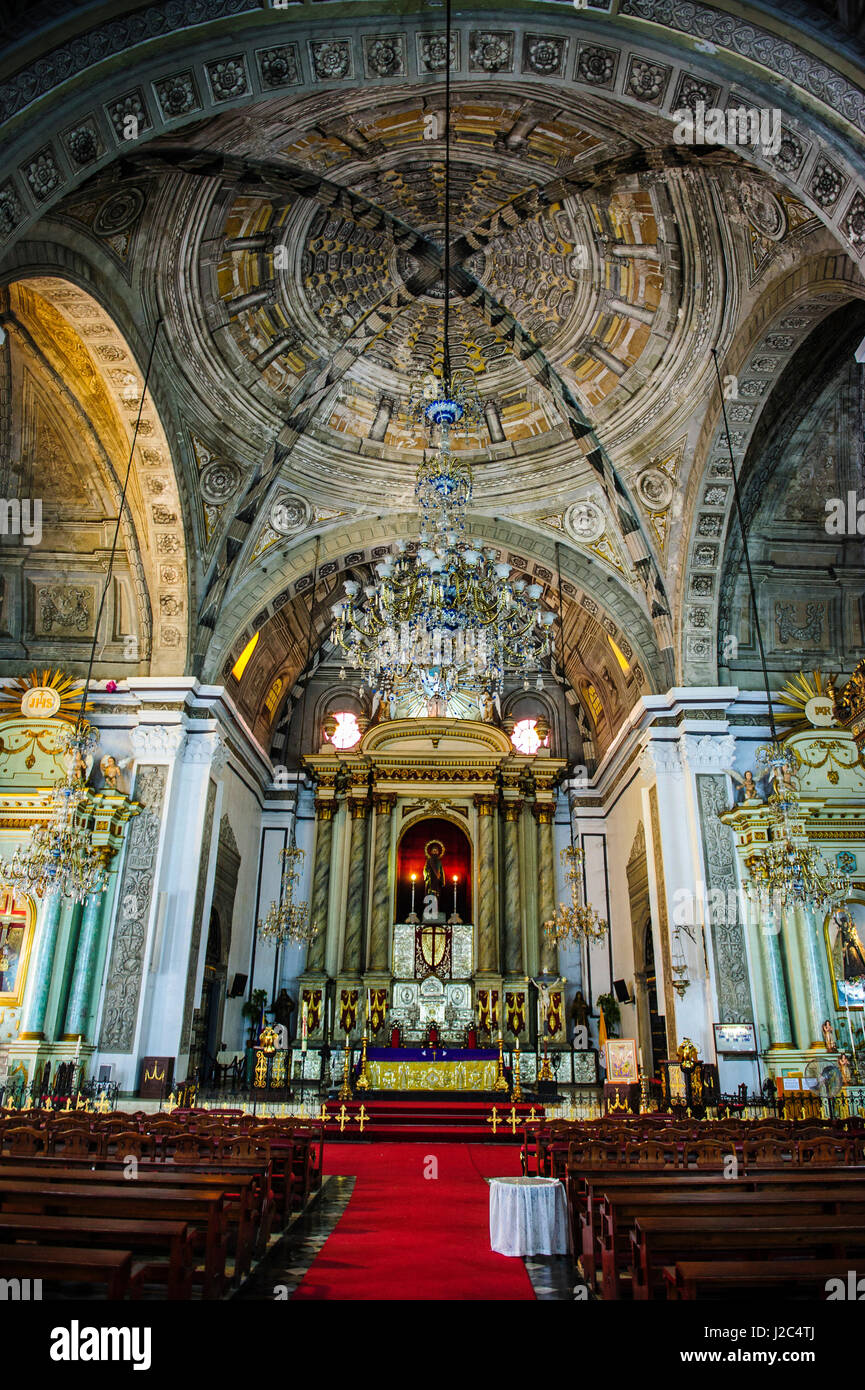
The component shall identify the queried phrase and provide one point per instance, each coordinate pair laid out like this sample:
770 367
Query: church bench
62 1264
693 1279
609 1225
164 1246
249 1204
596 1195
656 1240
203 1210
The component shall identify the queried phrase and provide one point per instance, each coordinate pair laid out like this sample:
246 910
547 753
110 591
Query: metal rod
741 517
447 351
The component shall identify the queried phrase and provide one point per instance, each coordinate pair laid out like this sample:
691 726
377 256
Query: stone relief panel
123 990
728 938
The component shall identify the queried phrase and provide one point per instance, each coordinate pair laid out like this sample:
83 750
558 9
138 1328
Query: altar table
529 1216
439 1068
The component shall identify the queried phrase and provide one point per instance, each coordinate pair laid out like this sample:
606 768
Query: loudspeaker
238 985
622 992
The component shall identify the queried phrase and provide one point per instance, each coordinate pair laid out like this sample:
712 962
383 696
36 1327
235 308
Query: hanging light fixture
288 921
788 871
576 921
449 618
60 856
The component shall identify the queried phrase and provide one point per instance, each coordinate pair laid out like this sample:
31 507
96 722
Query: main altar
433 869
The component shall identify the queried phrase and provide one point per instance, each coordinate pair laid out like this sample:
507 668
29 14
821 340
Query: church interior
432 650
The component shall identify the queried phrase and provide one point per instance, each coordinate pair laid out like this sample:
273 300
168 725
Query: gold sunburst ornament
44 695
809 701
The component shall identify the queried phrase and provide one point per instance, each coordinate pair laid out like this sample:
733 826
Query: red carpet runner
406 1236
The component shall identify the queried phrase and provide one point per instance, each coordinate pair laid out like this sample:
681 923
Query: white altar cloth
529 1216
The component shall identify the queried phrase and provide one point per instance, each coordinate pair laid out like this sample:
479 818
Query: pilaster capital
206 748
486 804
544 812
159 743
384 803
512 810
661 758
325 808
357 808
710 752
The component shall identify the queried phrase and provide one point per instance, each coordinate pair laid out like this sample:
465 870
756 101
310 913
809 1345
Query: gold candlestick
345 1090
500 1083
363 1082
517 1092
545 1073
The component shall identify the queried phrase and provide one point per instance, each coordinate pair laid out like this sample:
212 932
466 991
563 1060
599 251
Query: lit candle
640 1051
455 895
413 880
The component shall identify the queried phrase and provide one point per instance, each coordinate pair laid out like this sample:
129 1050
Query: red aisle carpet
404 1236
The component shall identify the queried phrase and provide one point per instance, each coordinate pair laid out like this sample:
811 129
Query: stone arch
79 376
68 112
776 330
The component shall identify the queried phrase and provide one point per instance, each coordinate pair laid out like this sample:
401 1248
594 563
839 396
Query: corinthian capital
661 758
157 742
710 752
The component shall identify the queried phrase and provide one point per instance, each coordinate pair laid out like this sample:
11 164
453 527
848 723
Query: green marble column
352 961
485 916
320 897
780 1028
548 952
36 1007
379 931
816 993
511 874
86 957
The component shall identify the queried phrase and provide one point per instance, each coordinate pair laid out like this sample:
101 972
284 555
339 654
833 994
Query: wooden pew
204 1209
691 1279
656 1240
113 1268
738 1210
164 1246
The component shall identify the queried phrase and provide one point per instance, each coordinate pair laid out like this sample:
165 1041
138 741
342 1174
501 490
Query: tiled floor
282 1269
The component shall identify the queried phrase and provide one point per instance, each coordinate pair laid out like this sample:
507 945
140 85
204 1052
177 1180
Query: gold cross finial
512 1119
361 1117
342 1116
494 1119
323 1115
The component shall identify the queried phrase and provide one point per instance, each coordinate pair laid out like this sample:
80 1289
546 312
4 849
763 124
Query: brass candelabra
345 1089
363 1082
500 1082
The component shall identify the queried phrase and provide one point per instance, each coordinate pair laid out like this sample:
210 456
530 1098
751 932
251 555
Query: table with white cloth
529 1216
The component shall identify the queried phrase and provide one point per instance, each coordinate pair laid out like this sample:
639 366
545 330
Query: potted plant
252 1010
609 1004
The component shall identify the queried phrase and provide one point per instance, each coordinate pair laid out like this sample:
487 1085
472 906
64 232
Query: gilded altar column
352 961
384 803
318 904
485 916
543 812
511 872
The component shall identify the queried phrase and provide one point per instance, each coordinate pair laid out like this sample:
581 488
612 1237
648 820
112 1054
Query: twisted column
511 873
488 946
33 1016
78 1008
352 954
544 812
319 899
384 803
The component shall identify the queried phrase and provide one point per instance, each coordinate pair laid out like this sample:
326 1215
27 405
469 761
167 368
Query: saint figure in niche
433 869
851 946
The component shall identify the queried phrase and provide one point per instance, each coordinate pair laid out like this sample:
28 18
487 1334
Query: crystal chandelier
61 857
287 920
449 618
789 871
576 921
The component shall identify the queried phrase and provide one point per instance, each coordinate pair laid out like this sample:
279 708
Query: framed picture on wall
845 944
17 916
735 1037
622 1061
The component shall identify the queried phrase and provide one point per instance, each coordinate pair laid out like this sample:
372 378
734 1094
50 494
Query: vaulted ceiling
272 192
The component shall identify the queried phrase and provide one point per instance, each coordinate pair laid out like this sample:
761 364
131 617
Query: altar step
468 1120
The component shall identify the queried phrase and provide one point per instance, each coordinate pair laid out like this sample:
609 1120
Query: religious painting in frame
17 918
845 946
622 1061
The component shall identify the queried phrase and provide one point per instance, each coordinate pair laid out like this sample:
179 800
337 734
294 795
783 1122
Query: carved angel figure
111 770
748 788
